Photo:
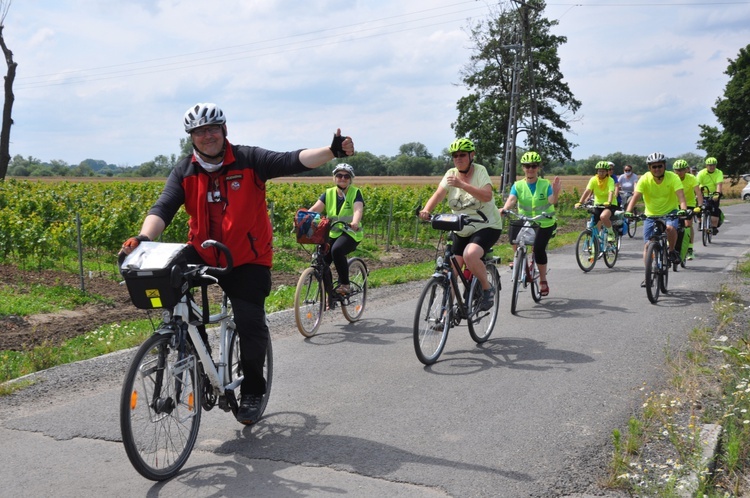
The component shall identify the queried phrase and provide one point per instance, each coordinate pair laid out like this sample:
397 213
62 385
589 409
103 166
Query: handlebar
461 220
214 270
670 216
538 217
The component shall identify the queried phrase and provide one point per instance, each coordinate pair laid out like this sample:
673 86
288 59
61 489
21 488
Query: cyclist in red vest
223 189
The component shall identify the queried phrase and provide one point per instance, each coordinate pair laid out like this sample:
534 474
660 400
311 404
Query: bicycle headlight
439 261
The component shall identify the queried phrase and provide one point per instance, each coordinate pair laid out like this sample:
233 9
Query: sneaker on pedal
610 236
714 230
674 257
488 299
249 411
343 289
690 254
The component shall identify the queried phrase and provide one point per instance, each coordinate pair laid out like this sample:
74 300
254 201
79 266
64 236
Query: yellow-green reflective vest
536 204
345 214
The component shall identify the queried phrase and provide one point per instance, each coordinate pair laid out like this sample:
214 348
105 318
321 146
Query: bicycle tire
309 301
611 252
518 272
586 251
532 276
354 305
632 225
432 320
653 257
235 371
664 271
158 441
482 323
705 228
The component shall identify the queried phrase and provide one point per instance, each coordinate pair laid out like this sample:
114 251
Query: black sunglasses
345 177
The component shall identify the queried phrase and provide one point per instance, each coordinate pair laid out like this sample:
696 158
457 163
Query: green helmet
680 164
531 157
604 165
462 144
711 160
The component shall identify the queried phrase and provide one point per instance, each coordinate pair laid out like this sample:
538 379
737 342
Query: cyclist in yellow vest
693 198
604 190
468 188
535 196
342 202
712 179
662 194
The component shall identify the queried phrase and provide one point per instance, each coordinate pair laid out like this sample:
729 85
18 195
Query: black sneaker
643 284
715 230
249 411
674 257
488 299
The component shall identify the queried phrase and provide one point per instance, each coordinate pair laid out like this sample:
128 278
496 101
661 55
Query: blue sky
110 80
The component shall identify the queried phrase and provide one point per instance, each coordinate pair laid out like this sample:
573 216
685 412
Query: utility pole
509 162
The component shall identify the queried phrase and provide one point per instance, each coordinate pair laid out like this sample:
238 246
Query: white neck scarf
207 166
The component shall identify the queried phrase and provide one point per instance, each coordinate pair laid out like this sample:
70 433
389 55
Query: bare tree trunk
7 108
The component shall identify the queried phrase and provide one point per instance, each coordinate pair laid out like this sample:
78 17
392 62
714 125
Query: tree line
413 159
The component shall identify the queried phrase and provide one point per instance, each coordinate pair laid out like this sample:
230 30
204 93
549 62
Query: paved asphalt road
529 413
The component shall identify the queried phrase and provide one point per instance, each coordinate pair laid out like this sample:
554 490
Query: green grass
106 339
669 415
25 299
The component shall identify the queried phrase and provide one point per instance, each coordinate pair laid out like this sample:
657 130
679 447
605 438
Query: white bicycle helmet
656 157
202 115
345 168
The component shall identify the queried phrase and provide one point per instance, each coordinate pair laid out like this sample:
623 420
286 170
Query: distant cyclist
693 197
712 179
627 182
602 188
535 196
662 194
342 202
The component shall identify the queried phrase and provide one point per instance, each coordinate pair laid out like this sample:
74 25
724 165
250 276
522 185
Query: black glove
336 146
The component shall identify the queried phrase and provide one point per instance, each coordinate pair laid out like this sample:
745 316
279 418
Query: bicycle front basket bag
153 274
447 221
526 232
310 228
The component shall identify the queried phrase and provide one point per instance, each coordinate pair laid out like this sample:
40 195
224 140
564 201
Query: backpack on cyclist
310 228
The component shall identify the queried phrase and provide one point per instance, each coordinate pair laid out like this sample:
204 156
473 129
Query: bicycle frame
218 374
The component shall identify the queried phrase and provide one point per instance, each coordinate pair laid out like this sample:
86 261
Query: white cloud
110 80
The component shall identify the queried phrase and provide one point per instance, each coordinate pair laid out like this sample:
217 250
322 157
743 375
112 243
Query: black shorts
485 238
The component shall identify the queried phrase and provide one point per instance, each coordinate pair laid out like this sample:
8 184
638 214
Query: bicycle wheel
532 276
354 305
664 270
632 224
706 228
518 276
653 262
586 251
481 323
160 406
235 371
308 303
432 320
611 251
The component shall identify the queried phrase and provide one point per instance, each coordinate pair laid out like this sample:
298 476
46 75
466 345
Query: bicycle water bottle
467 274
